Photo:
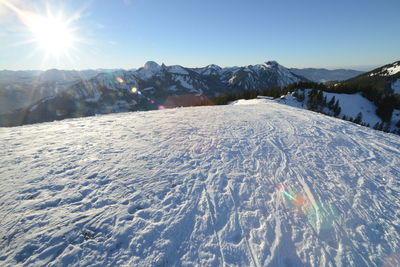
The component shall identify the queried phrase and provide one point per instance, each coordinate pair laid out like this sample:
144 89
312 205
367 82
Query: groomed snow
249 185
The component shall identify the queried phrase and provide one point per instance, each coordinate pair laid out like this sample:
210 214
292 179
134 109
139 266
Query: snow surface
393 70
250 101
387 71
249 185
350 104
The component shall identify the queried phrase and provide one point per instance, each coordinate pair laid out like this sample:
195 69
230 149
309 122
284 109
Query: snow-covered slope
387 70
380 79
350 105
247 185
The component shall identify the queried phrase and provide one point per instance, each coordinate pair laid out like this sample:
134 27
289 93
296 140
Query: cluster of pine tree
358 119
317 102
384 99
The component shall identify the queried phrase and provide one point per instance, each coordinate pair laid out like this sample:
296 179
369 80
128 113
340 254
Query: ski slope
257 184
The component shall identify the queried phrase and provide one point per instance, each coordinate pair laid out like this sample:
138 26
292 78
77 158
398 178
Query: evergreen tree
358 119
320 98
332 102
378 126
385 108
336 108
312 102
386 127
301 96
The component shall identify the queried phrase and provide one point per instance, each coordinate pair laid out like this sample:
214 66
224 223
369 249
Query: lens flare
289 195
280 187
120 80
134 89
322 216
392 260
318 214
161 107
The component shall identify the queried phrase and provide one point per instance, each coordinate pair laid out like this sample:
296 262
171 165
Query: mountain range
55 95
34 96
324 75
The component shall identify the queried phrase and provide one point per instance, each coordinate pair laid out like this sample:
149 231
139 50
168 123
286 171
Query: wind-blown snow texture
198 186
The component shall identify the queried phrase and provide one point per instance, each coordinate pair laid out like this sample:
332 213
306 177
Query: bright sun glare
52 35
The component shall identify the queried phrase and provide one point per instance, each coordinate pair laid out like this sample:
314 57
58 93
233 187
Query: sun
53 35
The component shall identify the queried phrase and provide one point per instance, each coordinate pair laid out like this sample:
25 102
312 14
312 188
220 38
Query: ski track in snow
197 186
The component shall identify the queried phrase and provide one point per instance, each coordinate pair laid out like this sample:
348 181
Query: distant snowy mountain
19 89
146 88
259 184
383 78
324 75
62 76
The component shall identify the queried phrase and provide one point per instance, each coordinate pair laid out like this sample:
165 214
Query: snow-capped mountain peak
214 67
149 69
151 65
272 64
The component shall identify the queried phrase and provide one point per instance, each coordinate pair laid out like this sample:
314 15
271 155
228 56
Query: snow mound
247 185
249 102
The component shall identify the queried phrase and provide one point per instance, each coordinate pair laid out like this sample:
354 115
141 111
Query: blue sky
127 33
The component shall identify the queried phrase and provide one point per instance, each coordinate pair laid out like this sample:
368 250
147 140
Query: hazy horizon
365 68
